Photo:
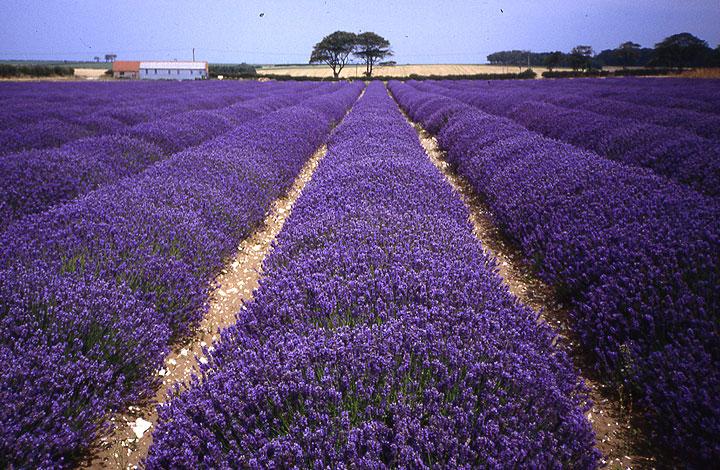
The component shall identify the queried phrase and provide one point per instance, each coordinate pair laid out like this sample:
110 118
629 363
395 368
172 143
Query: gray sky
284 31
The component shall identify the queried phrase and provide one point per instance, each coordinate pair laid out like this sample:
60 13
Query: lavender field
383 332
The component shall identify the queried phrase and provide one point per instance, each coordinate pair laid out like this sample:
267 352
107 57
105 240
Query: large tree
628 52
681 50
553 59
580 57
371 48
334 50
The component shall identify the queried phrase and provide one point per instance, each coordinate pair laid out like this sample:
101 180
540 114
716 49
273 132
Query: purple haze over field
421 31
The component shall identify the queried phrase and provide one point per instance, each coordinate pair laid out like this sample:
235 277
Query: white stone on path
140 427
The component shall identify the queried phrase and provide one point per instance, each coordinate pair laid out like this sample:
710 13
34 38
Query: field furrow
380 336
37 180
673 153
94 291
636 256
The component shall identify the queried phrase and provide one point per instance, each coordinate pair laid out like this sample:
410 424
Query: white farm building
160 70
173 70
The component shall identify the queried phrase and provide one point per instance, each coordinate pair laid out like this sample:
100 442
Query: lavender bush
588 97
36 180
636 256
674 153
36 116
92 292
381 335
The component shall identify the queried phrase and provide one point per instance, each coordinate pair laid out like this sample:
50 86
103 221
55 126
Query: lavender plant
38 179
93 291
636 256
674 153
381 335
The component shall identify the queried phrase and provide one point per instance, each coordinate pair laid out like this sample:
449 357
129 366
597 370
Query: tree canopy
681 50
553 59
334 50
371 48
628 52
580 57
678 50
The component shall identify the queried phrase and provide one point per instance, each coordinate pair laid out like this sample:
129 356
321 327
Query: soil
121 448
616 426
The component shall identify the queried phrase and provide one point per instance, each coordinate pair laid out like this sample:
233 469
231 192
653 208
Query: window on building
155 71
178 71
146 71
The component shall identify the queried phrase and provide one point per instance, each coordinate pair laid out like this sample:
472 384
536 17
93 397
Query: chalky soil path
129 440
131 435
613 425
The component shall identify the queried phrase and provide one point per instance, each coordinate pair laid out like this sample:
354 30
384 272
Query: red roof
126 66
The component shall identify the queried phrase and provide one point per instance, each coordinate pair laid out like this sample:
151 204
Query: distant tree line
336 49
678 50
34 70
232 70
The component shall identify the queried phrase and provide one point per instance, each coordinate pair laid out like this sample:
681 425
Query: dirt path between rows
127 443
615 431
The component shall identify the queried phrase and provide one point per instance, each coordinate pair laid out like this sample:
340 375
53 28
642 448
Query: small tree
110 57
628 52
97 59
334 50
580 57
371 48
680 50
553 60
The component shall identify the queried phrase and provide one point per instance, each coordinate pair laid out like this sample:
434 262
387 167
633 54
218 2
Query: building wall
129 75
172 74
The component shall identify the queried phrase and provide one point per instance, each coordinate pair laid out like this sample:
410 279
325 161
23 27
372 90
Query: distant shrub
302 78
232 70
645 72
529 73
7 70
575 74
10 70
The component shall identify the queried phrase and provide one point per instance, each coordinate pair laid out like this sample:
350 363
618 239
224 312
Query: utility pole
193 54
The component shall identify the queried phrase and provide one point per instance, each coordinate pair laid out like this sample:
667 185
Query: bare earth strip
127 443
124 448
612 422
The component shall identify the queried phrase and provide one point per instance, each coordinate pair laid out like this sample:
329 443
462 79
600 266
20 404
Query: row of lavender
48 124
381 335
92 292
35 180
25 103
607 100
682 94
637 257
675 153
687 94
